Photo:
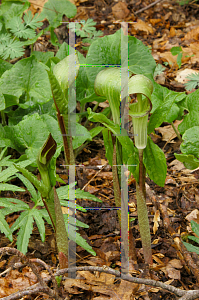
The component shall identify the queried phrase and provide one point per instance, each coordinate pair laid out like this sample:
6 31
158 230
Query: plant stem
142 212
176 132
3 118
116 185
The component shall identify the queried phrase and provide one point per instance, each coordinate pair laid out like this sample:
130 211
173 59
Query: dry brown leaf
156 221
193 216
172 269
120 10
142 26
193 34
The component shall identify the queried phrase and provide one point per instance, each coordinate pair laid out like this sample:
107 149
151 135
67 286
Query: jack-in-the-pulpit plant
120 149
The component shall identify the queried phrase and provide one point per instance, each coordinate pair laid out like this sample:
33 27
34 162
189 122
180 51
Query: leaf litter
161 27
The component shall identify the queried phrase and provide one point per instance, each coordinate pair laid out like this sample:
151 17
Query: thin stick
145 8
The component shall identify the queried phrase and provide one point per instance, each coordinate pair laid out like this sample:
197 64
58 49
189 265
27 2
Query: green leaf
27 76
189 161
190 144
28 135
76 237
29 186
155 163
193 81
10 187
14 204
19 30
82 135
176 50
95 131
40 223
43 56
191 104
164 101
4 227
11 170
193 238
54 10
195 227
32 21
38 184
10 48
25 223
191 248
4 66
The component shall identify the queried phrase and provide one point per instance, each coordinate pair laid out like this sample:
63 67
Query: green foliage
16 32
54 10
158 70
177 51
190 247
193 81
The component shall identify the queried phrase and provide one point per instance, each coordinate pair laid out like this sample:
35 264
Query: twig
94 176
148 6
42 286
28 262
184 295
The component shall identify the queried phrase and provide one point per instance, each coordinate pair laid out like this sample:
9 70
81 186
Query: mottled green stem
142 212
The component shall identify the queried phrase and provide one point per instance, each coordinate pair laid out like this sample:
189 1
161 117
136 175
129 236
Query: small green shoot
158 70
177 51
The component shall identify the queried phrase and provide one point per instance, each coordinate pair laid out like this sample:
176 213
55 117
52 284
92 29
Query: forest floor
171 208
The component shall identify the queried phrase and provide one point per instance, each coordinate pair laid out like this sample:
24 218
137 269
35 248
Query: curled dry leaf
156 221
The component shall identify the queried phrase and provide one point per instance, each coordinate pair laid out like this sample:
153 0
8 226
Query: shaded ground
160 27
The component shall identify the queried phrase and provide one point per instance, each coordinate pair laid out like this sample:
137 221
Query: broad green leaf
4 227
95 131
4 66
190 144
82 134
27 76
155 163
191 248
107 51
54 10
40 223
191 104
26 227
29 134
165 103
43 56
189 161
64 51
